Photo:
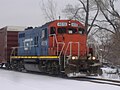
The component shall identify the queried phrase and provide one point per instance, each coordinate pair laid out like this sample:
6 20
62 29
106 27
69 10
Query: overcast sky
26 12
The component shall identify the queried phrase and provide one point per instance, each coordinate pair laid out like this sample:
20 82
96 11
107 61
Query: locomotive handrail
55 40
14 48
62 48
70 43
60 51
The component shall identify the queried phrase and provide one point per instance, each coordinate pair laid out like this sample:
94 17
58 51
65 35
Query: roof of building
14 28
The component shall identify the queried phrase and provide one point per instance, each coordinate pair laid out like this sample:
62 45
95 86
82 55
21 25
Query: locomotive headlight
93 58
69 24
73 57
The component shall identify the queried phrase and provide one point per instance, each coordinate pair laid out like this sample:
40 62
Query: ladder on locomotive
69 46
58 43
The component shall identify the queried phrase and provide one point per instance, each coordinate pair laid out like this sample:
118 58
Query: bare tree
82 13
112 19
49 9
105 19
111 16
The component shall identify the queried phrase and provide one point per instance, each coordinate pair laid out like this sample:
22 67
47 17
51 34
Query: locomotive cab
67 32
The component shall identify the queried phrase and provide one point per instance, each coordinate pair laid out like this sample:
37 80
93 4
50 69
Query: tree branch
104 28
93 21
84 7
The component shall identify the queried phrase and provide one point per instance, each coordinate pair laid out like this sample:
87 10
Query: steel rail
98 80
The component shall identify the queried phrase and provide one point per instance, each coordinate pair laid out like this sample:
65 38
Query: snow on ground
110 73
11 80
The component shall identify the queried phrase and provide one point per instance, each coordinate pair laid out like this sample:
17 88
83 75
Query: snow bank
110 73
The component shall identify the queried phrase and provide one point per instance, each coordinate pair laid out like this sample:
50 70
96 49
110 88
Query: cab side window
52 30
61 30
72 30
81 31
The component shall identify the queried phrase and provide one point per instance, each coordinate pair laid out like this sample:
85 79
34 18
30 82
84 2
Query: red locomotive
57 47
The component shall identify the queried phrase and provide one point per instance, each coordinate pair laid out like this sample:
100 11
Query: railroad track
98 80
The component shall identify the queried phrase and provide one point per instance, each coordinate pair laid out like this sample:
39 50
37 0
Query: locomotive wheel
53 68
8 66
21 67
17 65
14 65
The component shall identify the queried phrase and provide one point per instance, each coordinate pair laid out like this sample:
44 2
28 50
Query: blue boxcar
33 41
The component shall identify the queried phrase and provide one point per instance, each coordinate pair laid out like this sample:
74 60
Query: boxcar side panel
12 41
3 45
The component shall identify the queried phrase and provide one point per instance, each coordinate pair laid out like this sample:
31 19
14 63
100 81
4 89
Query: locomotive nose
75 45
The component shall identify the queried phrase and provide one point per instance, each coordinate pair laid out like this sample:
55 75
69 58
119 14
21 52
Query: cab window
61 30
81 31
72 30
52 30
